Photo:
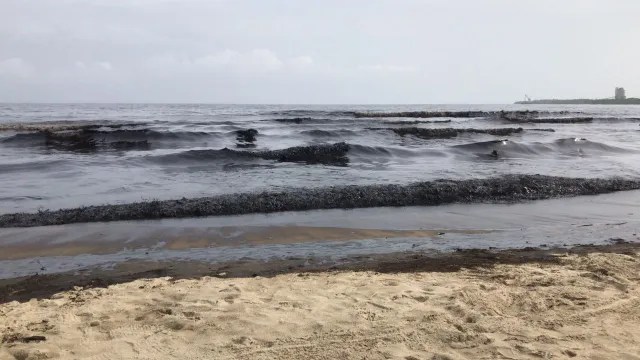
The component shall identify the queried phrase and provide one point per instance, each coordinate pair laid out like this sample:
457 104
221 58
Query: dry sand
583 306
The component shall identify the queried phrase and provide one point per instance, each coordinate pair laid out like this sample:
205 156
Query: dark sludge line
509 188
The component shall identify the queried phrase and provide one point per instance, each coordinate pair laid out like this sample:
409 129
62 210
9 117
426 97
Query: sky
317 51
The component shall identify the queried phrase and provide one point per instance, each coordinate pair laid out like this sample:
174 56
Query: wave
415 122
146 134
620 119
456 114
130 145
64 126
317 133
379 151
447 133
502 148
508 188
569 146
574 120
364 153
100 139
21 198
30 166
335 154
583 145
197 123
201 155
302 114
305 113
424 114
328 154
25 138
304 120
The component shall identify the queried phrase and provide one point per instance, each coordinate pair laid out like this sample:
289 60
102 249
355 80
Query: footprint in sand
174 323
42 326
420 298
191 315
231 293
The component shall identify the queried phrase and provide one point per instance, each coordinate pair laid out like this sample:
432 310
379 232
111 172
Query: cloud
379 68
257 60
300 62
232 61
170 50
105 65
16 67
95 66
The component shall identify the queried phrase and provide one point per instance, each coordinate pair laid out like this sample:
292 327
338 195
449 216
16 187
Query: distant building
620 95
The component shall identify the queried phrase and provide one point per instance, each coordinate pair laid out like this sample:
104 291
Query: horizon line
224 103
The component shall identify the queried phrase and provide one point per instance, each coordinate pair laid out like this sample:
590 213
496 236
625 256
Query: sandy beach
301 180
582 303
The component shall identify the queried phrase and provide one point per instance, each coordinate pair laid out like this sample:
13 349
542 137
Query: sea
58 156
55 156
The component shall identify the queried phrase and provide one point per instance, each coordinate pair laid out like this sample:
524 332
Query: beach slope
583 304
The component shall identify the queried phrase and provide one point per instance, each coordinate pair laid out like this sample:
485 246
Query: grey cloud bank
489 51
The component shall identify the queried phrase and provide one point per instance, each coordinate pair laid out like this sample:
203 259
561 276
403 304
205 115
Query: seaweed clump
453 114
576 120
335 154
246 138
446 133
70 141
423 114
296 120
509 188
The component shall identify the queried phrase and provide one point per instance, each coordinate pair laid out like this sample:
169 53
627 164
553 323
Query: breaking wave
101 139
328 154
566 147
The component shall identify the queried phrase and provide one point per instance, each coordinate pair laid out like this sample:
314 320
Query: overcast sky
324 51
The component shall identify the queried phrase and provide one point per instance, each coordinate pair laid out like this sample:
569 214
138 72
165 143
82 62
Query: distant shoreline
629 101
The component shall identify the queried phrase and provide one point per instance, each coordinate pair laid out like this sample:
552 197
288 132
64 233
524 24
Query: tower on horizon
620 95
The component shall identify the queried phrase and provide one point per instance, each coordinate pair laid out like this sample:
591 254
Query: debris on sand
10 338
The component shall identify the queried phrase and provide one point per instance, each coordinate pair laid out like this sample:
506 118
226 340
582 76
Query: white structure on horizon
620 95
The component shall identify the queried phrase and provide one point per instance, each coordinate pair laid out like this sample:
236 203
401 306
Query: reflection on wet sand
332 236
194 238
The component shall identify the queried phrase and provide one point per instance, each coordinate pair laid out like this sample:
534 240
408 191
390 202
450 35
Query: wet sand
194 238
334 236
511 304
547 279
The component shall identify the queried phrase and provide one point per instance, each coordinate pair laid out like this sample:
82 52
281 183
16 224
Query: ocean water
56 156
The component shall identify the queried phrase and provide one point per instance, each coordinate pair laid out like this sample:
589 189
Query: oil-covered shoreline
508 188
71 155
